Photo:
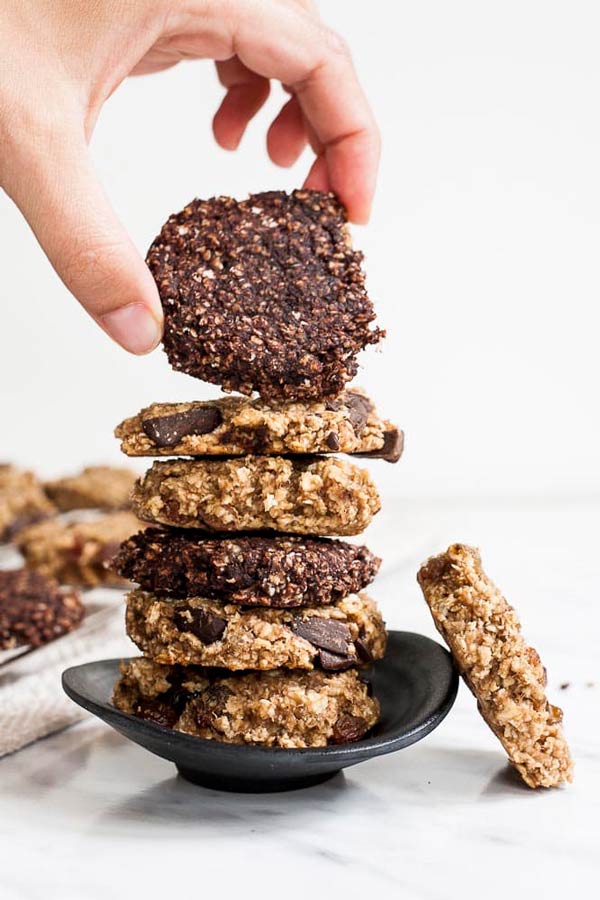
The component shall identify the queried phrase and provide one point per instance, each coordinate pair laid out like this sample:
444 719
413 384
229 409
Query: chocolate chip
167 431
393 445
348 728
362 651
205 625
333 662
326 634
332 441
156 711
358 408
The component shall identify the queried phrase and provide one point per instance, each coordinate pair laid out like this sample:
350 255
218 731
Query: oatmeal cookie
95 487
303 495
275 709
203 632
34 610
22 501
78 553
505 675
246 569
236 426
264 294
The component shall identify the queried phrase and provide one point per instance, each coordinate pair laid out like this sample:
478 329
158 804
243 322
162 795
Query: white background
482 253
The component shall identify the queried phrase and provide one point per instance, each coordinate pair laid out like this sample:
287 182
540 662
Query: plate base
252 785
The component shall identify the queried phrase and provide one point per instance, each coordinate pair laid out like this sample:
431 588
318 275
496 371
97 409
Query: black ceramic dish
416 685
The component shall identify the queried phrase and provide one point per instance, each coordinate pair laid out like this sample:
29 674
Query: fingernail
133 327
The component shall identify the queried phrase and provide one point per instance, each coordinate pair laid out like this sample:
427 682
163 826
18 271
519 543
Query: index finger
298 50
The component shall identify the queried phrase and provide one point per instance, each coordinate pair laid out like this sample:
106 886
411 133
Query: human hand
62 59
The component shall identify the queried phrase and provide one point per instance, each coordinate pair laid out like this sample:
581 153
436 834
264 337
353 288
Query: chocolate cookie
197 631
263 294
235 426
34 610
78 553
304 495
250 570
95 487
275 709
22 501
505 675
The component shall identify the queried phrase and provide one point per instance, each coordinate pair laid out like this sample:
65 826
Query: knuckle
336 45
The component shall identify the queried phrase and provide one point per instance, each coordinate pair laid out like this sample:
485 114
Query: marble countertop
85 815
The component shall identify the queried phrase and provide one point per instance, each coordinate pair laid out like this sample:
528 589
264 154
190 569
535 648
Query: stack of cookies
252 620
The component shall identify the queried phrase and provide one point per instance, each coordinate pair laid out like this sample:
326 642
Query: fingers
56 189
284 41
246 94
287 137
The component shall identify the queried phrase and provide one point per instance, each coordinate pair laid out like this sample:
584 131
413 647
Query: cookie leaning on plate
264 294
300 495
236 426
274 709
197 631
505 675
250 570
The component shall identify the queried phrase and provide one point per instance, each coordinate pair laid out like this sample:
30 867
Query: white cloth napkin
32 701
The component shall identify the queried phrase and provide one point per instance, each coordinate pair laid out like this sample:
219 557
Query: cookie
203 632
95 487
273 709
236 426
78 553
505 675
22 501
34 610
249 570
264 294
303 495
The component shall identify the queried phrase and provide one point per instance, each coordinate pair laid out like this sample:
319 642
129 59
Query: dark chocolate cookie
264 294
34 610
250 570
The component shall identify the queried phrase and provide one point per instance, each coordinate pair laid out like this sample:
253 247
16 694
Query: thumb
54 185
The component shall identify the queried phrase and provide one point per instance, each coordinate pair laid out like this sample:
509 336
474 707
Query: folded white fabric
32 701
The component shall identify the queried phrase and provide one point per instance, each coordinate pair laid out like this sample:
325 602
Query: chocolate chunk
157 711
333 662
206 626
332 441
358 408
393 446
362 651
348 728
326 634
167 431
212 703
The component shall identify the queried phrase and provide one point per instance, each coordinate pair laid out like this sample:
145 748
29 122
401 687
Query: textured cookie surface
250 570
235 426
275 709
101 487
324 496
34 610
22 501
78 553
263 294
505 675
198 631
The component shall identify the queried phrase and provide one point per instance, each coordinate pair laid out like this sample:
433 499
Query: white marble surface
85 815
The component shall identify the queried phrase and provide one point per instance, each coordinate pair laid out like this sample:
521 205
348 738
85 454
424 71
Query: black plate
416 685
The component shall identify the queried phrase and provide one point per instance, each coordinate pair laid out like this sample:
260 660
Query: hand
62 59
